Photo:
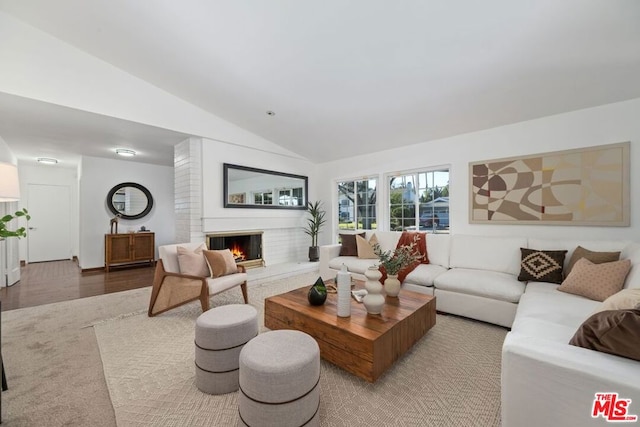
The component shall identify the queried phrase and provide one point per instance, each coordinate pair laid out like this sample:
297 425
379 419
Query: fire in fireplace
246 246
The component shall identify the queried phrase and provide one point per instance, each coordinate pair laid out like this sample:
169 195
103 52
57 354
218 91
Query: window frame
436 226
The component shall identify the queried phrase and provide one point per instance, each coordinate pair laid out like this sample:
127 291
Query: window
419 201
263 198
357 204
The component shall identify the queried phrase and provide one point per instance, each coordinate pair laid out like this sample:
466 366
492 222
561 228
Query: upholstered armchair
171 288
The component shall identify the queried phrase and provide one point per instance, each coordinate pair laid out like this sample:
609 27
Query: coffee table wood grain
365 345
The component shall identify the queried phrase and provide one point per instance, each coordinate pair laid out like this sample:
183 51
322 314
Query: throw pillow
192 262
613 332
221 262
349 246
596 281
594 257
541 266
626 299
365 249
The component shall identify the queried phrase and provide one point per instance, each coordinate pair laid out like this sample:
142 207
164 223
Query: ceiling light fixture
47 160
125 152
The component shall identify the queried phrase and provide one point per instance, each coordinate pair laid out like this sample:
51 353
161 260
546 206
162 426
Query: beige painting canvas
587 186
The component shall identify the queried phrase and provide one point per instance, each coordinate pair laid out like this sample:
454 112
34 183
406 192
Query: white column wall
284 239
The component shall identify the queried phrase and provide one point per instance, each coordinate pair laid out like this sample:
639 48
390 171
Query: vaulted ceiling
344 77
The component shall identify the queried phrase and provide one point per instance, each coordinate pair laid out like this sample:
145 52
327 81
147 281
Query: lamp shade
9 186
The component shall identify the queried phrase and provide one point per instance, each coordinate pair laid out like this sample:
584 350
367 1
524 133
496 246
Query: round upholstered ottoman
279 375
220 335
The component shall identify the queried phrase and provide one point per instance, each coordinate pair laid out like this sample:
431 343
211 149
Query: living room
41 68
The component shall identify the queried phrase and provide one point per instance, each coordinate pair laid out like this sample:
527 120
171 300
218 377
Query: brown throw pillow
192 262
594 257
221 262
365 249
349 246
614 332
541 266
596 281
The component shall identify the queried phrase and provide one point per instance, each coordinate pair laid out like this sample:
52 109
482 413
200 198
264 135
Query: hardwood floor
46 282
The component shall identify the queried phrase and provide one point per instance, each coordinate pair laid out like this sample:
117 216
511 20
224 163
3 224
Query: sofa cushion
424 274
632 253
438 246
365 247
192 262
501 254
388 240
354 264
594 257
541 266
349 246
554 308
489 284
220 262
613 332
626 299
596 281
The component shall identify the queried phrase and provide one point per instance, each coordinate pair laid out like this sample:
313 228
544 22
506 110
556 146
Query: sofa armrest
552 383
327 253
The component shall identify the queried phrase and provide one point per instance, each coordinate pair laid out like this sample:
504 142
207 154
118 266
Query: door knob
33 228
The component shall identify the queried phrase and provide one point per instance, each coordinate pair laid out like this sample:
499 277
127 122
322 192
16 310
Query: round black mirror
130 200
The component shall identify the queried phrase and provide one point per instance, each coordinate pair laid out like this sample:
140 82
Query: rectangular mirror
246 187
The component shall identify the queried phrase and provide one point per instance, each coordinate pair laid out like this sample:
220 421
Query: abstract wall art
585 186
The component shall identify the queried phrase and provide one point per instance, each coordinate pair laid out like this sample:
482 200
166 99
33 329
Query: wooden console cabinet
129 248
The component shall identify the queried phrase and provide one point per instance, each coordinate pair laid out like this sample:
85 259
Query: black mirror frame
142 188
227 166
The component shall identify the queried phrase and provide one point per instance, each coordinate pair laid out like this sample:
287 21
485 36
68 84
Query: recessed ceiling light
125 152
271 113
47 160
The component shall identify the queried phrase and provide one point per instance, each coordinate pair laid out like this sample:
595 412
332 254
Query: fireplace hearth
246 246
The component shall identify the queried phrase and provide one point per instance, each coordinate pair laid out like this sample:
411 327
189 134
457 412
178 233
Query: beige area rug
449 378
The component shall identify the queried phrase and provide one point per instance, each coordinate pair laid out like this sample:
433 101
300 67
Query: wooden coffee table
365 345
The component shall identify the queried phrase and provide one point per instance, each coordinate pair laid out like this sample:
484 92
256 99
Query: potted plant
314 223
20 232
396 260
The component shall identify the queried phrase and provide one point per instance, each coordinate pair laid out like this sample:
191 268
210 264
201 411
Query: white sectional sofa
545 380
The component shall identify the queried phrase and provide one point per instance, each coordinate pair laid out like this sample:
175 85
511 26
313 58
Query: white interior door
49 230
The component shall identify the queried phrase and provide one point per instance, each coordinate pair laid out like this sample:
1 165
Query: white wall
50 175
98 176
590 127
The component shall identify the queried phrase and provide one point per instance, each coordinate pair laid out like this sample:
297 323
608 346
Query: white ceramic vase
374 300
392 285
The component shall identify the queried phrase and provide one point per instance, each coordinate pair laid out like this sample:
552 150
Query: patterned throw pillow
349 246
365 249
541 266
594 257
596 281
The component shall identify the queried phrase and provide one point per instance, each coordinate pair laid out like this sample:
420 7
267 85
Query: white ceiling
345 77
